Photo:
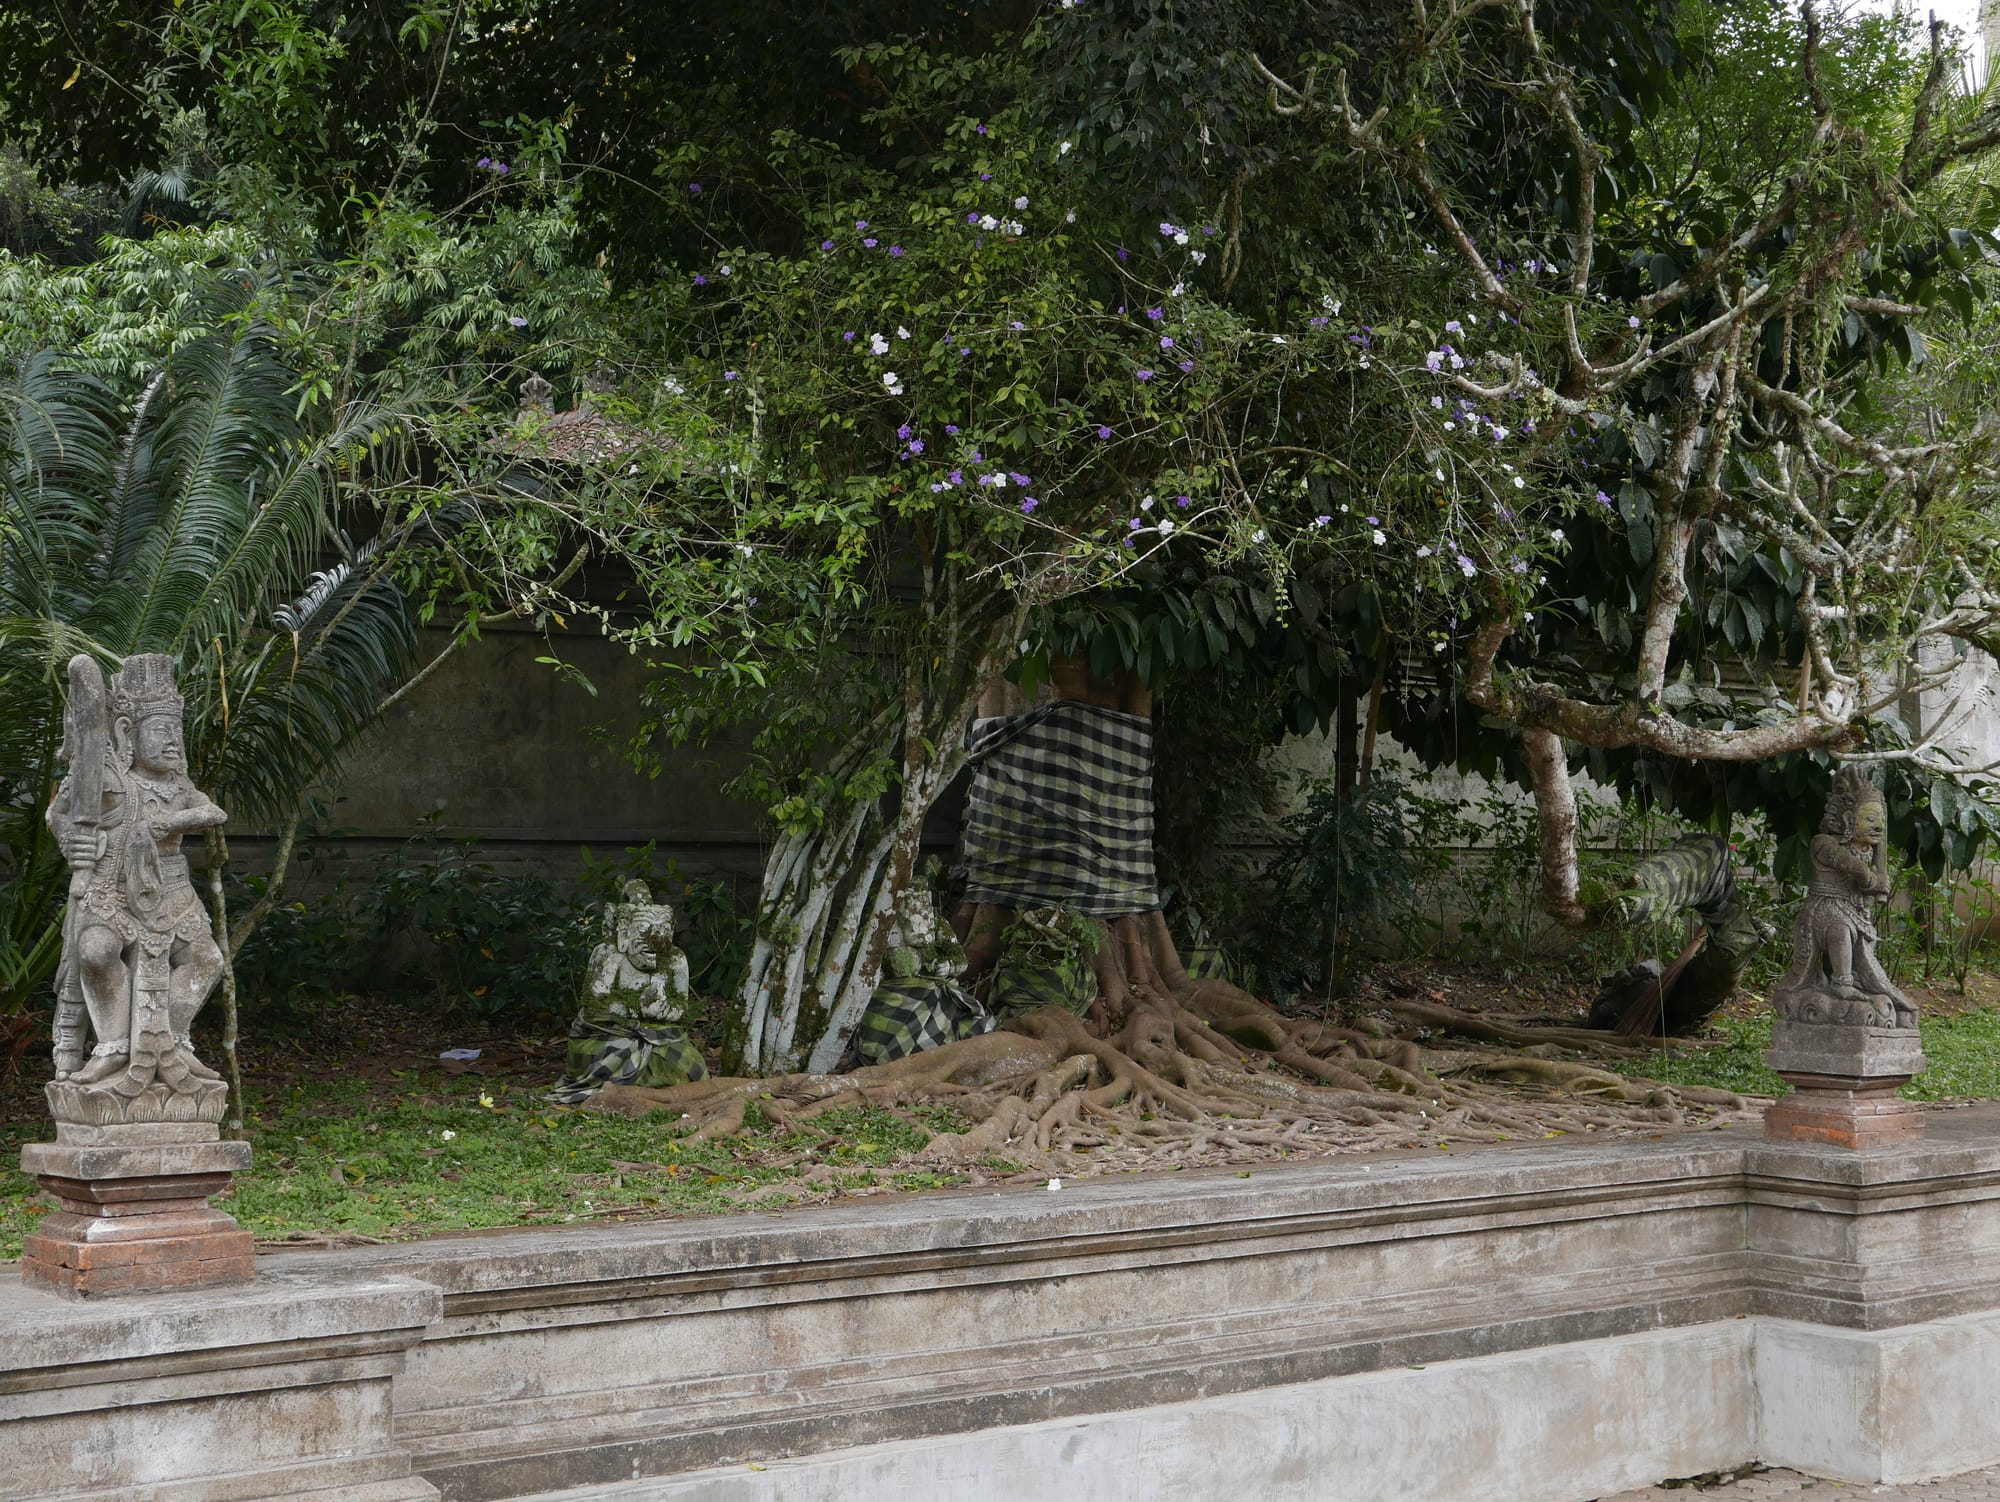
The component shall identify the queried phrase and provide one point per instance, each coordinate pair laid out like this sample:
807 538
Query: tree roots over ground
1173 1070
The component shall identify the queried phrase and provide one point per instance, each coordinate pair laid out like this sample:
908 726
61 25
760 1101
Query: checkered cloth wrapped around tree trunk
622 1053
1060 813
909 1016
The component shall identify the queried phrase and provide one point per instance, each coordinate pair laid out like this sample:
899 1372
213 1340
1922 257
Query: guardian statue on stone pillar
138 955
1835 976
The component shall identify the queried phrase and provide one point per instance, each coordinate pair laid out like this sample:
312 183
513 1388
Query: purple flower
963 350
986 177
1186 366
700 280
1028 506
1017 326
1145 375
951 429
871 242
895 250
485 162
1130 539
729 375
1166 341
694 187
1374 521
1135 524
1156 314
904 432
1167 229
977 457
956 477
1124 254
1183 502
861 224
848 337
1021 480
1103 432
916 445
501 169
1520 567
1603 500
1466 566
982 130
971 218
517 320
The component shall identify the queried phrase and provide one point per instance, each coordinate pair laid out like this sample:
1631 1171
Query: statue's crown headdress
144 687
1852 787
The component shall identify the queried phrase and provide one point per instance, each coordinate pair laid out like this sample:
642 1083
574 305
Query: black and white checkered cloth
1060 813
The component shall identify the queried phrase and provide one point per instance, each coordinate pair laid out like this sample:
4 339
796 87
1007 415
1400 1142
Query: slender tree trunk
1555 812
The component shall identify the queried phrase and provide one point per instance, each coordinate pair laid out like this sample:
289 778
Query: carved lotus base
135 1218
1810 1005
102 1104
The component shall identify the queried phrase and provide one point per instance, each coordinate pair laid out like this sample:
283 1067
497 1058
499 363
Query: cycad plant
197 516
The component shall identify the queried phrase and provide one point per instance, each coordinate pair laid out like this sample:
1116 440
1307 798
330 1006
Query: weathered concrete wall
1542 1323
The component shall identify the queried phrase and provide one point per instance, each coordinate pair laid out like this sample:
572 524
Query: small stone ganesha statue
1835 976
637 973
138 957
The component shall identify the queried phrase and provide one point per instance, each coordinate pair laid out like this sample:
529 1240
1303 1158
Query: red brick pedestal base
135 1218
1844 1112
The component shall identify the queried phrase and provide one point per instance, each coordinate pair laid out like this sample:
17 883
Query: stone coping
284 1305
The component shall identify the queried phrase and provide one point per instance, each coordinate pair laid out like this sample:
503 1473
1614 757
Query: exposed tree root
1169 1070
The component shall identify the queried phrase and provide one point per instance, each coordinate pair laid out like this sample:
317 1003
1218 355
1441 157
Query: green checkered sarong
909 1016
1206 962
620 1053
1060 812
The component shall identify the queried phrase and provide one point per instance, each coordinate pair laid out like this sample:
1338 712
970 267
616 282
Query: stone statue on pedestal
1845 1038
1835 976
137 1151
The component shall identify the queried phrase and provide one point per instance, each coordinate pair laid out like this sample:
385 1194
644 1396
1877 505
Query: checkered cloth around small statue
1060 812
909 1016
625 1053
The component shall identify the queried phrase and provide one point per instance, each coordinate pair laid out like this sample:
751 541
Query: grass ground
363 1136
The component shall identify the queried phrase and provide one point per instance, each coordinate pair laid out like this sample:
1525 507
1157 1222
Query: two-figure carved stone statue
1835 976
138 956
137 1153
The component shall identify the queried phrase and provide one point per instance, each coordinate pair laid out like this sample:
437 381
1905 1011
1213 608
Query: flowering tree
1715 362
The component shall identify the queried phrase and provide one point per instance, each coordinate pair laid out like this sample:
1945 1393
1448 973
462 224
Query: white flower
1449 426
890 378
1279 339
1057 1183
1437 646
1166 525
1147 504
1062 150
988 222
1021 202
1380 537
1424 551
878 344
1632 322
726 271
1499 433
745 549
671 386
1014 227
1519 483
1070 217
1258 535
1181 238
447 1134
1198 256
1457 361
1555 534
1440 474
901 332
1437 401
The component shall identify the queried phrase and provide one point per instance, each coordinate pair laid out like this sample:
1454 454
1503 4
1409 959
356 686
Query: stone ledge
127 1160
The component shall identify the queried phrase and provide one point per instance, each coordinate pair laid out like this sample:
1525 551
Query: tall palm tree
186 519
